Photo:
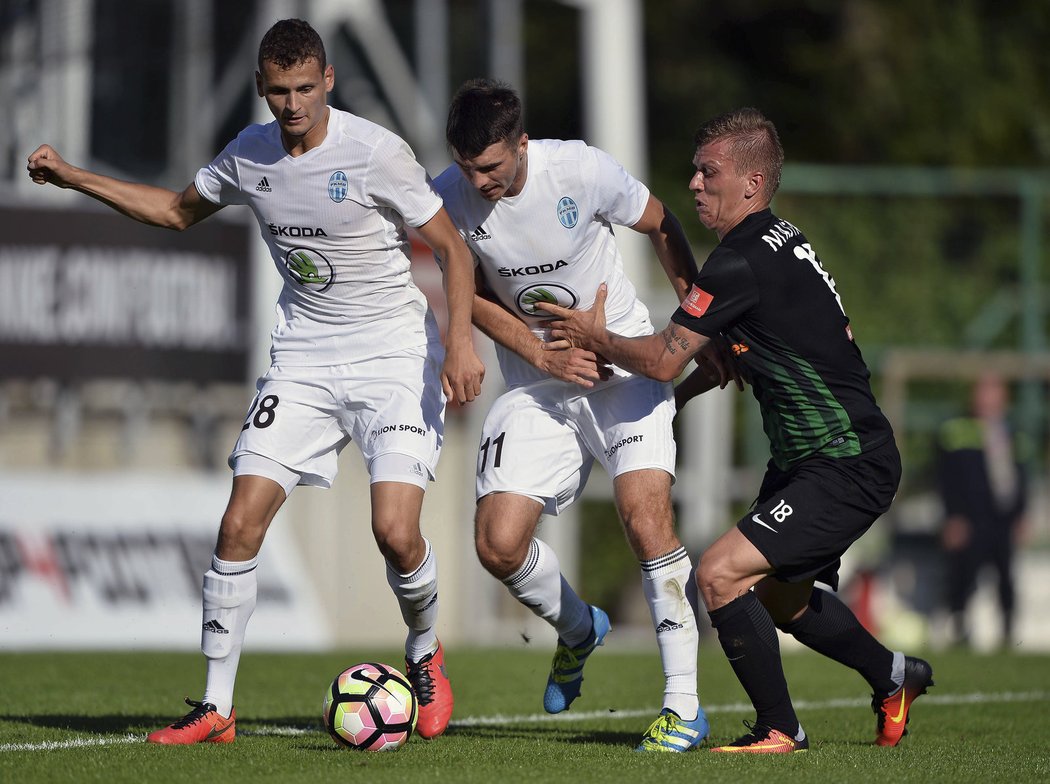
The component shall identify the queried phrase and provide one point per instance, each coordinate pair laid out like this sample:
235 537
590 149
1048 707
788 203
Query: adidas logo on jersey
263 186
215 628
667 625
480 234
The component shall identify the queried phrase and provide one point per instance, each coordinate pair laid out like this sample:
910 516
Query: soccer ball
370 706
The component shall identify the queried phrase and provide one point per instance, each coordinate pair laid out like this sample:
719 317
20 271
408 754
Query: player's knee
499 558
490 557
713 581
240 535
401 545
707 568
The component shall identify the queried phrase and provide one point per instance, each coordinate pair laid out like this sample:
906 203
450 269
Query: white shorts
541 439
302 417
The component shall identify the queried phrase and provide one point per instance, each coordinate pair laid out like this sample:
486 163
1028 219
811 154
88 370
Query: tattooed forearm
674 341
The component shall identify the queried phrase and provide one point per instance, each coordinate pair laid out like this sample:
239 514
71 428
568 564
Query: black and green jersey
764 288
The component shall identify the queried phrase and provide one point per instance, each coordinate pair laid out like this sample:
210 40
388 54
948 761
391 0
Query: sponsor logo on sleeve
697 301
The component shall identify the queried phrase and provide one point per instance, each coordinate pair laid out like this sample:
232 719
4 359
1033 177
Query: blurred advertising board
93 294
115 560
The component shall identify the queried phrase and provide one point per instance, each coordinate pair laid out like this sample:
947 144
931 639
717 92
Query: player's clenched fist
462 374
46 165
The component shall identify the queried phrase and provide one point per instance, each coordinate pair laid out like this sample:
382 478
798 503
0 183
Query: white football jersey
553 241
334 220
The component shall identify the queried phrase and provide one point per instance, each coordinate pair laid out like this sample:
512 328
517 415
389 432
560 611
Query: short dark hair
291 42
753 143
482 113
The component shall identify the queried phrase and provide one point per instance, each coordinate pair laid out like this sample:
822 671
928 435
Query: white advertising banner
115 560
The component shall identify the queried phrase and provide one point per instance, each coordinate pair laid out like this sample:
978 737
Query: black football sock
829 627
749 639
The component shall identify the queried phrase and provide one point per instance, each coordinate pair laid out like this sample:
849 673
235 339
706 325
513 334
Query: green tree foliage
913 271
930 82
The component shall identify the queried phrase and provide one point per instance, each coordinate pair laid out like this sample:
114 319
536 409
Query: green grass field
83 717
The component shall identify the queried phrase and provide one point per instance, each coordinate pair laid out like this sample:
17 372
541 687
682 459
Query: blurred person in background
834 465
356 353
537 215
983 486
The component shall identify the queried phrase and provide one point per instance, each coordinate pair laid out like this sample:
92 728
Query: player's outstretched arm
577 366
662 356
463 371
670 244
145 203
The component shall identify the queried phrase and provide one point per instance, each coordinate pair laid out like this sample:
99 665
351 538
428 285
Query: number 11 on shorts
497 448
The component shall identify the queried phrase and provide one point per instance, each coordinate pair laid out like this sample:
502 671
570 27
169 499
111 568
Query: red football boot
433 693
763 740
891 711
203 724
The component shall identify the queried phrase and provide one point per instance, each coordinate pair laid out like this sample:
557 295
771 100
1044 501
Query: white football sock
539 585
229 594
417 595
664 583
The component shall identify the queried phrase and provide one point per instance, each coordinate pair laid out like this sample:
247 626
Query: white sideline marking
544 718
76 743
947 699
